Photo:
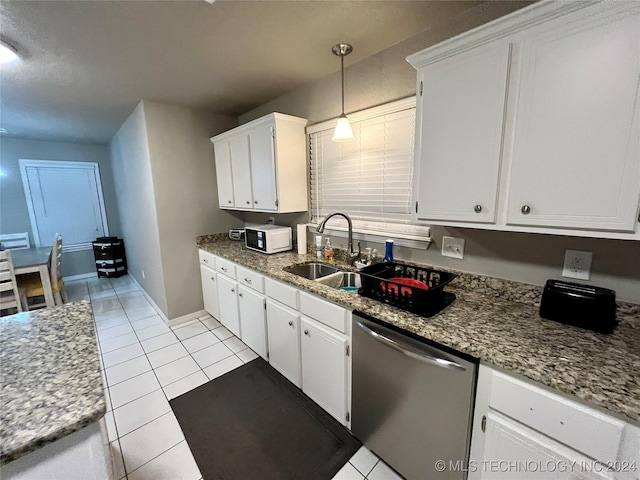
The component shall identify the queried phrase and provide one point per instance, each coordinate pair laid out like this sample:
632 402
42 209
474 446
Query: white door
228 304
576 158
210 291
264 166
515 452
241 162
324 368
224 174
284 341
253 324
459 133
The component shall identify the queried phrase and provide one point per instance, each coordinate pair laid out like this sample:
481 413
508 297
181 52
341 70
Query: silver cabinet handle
240 295
224 269
409 352
477 208
205 260
306 332
291 324
526 209
248 280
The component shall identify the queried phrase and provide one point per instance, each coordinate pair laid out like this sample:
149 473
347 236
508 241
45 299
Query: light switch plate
453 247
577 264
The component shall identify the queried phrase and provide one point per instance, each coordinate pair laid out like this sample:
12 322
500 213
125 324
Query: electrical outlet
453 247
577 264
271 220
143 277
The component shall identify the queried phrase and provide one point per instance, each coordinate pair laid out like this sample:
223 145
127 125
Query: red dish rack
397 284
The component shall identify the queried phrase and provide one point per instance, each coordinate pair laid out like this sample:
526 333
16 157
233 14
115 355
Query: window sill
399 239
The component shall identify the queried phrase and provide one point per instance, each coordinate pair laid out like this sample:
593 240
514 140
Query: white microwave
268 238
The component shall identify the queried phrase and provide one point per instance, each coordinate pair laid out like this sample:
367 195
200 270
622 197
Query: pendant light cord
342 70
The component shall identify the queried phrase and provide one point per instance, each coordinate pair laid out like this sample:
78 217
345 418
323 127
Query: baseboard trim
187 318
80 276
148 297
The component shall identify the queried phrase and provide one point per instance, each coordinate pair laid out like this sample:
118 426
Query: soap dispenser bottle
328 251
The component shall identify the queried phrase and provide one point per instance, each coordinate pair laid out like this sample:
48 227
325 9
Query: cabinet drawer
226 267
331 315
586 430
250 278
281 292
207 258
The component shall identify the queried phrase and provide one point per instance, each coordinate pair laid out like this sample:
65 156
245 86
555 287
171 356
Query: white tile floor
145 364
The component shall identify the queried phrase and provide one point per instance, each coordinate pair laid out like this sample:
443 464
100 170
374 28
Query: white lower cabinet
324 367
524 431
283 324
210 291
253 325
229 313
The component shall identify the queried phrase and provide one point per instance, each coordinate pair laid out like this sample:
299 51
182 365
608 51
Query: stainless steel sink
341 280
313 270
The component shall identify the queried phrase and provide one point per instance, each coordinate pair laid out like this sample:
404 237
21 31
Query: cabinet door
459 135
241 162
224 174
253 323
228 305
210 291
284 341
513 452
324 368
265 195
576 154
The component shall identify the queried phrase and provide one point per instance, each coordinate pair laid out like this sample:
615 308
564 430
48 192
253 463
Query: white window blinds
369 178
65 198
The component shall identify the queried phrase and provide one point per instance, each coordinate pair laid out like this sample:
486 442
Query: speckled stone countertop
496 321
51 384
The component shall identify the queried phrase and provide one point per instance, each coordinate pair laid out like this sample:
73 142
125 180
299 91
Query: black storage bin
110 257
391 282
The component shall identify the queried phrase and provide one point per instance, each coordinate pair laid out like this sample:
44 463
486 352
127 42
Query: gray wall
186 198
137 206
14 215
530 258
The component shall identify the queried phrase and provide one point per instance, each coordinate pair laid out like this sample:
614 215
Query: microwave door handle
410 352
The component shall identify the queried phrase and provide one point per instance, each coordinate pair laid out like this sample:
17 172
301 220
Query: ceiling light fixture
8 52
343 132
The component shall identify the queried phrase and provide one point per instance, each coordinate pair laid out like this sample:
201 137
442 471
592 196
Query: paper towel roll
302 238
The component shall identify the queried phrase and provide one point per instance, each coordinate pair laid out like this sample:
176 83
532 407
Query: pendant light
8 52
343 132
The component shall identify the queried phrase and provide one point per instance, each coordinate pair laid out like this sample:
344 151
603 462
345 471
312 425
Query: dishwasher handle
410 352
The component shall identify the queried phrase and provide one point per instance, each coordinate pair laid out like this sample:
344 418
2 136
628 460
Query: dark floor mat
252 423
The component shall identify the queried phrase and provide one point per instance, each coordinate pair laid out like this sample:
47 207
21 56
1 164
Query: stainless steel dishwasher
412 403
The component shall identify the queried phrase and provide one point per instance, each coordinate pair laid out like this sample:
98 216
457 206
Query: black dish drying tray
376 284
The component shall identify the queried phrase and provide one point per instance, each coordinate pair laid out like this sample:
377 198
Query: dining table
32 260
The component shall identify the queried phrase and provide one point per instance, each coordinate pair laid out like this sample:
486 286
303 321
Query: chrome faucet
351 255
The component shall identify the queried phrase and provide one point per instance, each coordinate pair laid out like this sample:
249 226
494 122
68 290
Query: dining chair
9 292
33 286
15 240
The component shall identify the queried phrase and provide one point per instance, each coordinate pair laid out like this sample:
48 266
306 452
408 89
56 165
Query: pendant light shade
343 132
7 52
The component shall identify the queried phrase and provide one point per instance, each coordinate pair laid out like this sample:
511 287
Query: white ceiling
86 64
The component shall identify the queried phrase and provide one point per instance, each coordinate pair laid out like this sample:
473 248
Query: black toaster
585 306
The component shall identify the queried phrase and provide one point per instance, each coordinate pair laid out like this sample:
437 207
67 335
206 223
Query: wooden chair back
56 259
9 295
15 240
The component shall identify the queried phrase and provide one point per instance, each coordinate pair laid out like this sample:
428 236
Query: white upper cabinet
459 134
262 165
531 123
575 154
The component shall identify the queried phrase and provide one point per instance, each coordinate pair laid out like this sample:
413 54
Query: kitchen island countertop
496 321
50 384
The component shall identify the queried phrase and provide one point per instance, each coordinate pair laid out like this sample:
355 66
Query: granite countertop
496 321
50 384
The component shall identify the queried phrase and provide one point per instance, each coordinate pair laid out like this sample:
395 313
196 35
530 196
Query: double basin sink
326 274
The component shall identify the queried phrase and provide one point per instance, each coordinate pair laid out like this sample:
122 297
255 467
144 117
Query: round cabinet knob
306 332
526 209
255 201
291 324
240 295
233 290
477 208
228 201
248 202
213 279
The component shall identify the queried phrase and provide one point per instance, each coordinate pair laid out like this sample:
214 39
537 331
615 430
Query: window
65 198
369 178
